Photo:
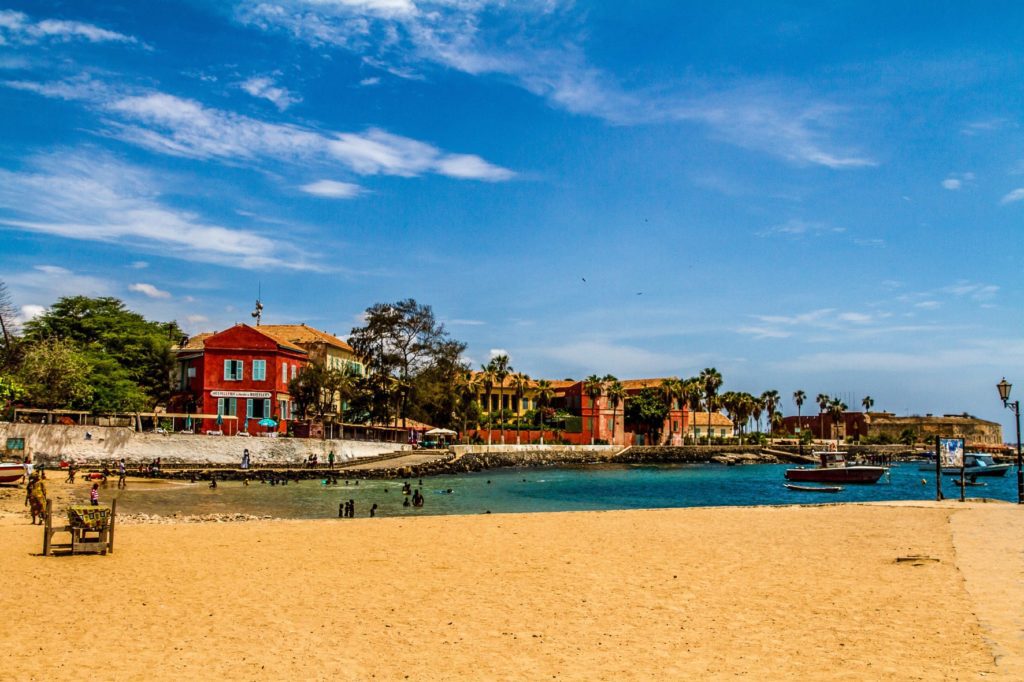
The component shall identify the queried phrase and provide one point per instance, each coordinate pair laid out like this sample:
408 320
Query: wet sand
767 592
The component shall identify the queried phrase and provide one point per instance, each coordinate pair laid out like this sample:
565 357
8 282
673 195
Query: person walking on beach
71 472
245 458
94 495
122 475
373 510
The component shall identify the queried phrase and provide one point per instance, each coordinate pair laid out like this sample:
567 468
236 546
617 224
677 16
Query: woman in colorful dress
35 497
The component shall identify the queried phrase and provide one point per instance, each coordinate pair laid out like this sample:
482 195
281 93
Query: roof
637 384
698 419
302 334
198 342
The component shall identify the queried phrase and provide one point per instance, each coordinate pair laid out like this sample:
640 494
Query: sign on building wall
240 394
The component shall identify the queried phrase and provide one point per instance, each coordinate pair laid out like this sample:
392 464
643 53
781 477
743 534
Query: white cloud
466 323
196 319
495 352
801 228
264 87
49 282
589 356
16 27
366 82
148 290
332 189
181 127
1014 196
952 183
139 265
28 312
482 37
94 198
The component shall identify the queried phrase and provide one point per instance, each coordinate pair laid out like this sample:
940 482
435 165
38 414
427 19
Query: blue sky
823 197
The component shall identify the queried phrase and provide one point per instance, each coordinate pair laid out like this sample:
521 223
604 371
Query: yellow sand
766 593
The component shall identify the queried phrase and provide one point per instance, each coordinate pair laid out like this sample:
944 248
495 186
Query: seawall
49 443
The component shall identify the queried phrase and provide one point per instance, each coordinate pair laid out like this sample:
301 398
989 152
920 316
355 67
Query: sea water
578 488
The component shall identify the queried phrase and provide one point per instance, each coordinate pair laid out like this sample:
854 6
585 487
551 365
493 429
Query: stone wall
50 443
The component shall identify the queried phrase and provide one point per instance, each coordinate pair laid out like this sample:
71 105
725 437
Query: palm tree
486 381
593 386
693 395
520 383
868 402
616 397
672 392
823 401
468 384
501 371
745 406
836 407
544 395
770 400
711 381
799 397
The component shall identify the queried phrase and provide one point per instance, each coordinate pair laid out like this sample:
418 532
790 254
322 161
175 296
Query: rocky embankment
136 519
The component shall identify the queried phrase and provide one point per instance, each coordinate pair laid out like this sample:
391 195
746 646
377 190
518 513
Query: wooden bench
99 540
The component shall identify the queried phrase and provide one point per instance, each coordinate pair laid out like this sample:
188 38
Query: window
256 408
295 371
191 372
233 370
675 426
282 409
284 374
248 408
227 407
526 403
611 423
696 431
259 370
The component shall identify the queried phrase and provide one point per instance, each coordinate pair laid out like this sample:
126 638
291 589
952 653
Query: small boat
815 488
975 464
834 469
11 472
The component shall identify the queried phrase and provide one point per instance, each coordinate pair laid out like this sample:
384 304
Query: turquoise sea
542 490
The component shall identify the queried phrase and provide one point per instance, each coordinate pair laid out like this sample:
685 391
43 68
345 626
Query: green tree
593 386
9 356
770 400
545 394
799 397
836 408
398 343
501 368
122 347
55 375
520 384
647 408
487 380
868 402
711 381
616 397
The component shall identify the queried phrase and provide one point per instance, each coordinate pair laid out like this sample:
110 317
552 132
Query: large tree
616 397
54 374
647 408
593 386
399 343
129 356
8 329
711 381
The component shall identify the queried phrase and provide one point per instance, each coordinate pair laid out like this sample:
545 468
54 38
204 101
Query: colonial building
697 430
857 425
240 372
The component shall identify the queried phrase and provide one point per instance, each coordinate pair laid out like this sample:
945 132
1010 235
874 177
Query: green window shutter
229 371
266 407
220 405
248 408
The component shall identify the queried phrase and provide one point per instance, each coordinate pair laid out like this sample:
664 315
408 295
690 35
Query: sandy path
767 593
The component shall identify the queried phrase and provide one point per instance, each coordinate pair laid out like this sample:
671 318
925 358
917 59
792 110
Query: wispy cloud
173 125
481 37
148 290
332 189
957 180
17 27
85 197
264 87
1013 197
825 323
801 228
984 126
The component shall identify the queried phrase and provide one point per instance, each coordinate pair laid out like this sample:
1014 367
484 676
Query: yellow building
323 348
697 425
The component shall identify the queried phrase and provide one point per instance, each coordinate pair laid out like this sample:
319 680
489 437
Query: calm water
539 490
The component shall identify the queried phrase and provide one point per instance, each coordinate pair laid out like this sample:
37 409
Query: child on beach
122 475
94 495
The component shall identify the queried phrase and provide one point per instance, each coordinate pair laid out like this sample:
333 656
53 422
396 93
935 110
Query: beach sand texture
766 593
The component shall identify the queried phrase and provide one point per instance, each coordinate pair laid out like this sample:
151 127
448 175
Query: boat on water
815 488
975 464
835 469
11 472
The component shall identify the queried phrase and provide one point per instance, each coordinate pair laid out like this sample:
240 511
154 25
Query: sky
815 196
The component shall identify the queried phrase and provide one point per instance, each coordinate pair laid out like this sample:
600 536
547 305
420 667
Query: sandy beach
766 593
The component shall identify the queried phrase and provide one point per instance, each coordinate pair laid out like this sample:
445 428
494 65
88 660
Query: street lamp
1004 387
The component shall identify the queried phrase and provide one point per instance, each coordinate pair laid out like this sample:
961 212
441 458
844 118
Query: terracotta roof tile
300 334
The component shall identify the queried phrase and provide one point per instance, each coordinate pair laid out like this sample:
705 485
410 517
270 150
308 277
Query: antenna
258 312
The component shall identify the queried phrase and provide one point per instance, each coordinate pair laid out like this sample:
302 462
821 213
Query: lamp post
1004 387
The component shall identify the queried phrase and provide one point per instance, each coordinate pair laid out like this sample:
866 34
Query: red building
240 372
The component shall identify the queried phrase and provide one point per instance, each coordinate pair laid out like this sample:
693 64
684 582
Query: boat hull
994 470
11 473
855 475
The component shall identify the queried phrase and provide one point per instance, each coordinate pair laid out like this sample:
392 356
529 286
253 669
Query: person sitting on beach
373 510
94 495
213 481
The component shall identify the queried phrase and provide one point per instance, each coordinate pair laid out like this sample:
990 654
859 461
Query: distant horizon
817 198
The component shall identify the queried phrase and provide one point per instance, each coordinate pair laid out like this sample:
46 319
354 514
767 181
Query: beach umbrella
220 419
268 422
